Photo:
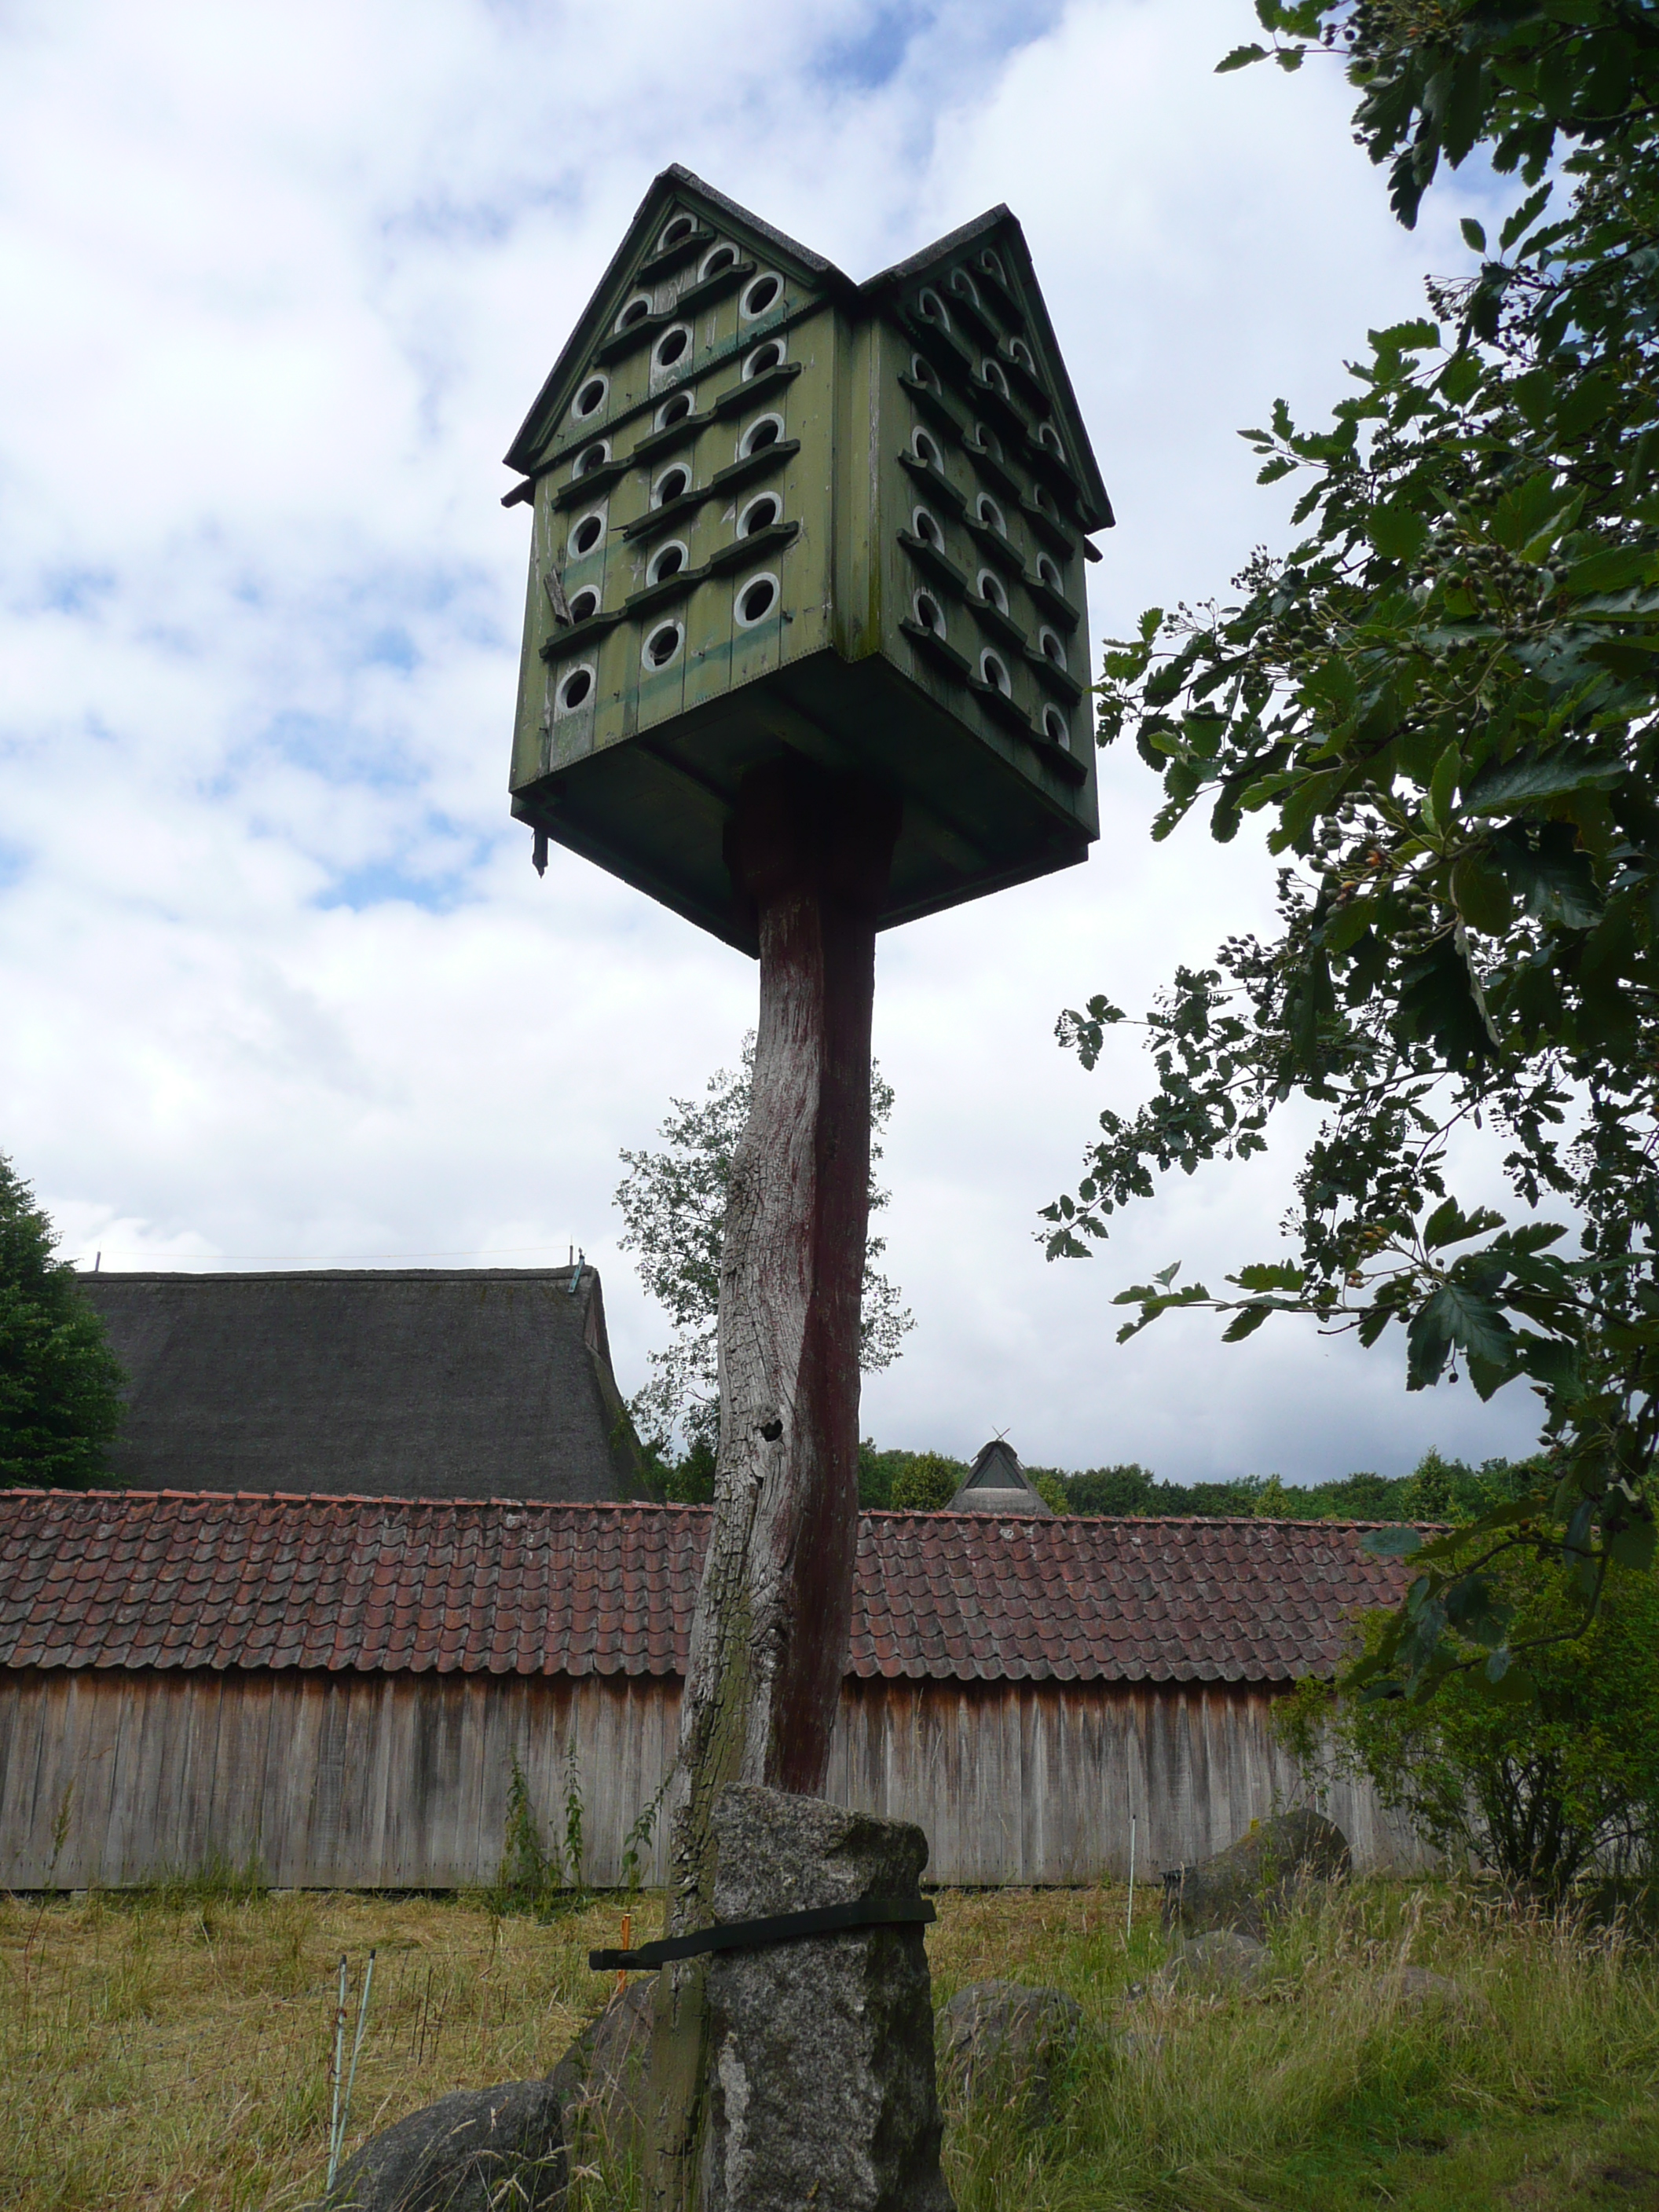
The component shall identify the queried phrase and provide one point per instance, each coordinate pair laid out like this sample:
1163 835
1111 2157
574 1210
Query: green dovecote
773 510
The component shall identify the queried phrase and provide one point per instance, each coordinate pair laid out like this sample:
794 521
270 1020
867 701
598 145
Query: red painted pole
769 1640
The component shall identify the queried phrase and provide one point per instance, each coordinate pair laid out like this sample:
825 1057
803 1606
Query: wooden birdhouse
777 511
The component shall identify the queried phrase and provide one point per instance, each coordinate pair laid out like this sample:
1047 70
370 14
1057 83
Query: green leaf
1473 236
1632 1547
1461 378
1399 531
1443 784
1515 1687
1418 336
1332 684
1449 1225
1523 513
1391 1543
1613 570
1509 784
1481 895
1556 883
1270 1275
1240 58
1455 1315
1534 395
1305 799
1523 217
1345 928
1245 1323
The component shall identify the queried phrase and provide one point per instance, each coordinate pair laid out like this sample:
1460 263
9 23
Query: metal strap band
755 1935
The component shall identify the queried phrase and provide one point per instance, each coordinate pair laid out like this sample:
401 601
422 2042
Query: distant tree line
1437 1489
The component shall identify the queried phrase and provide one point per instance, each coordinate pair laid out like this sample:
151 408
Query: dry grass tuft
173 2051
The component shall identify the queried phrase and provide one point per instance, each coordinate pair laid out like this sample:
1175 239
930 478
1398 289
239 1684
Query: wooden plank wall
400 1781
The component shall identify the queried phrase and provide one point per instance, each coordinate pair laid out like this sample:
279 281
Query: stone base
822 2095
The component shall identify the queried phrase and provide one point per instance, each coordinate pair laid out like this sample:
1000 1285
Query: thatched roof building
413 1382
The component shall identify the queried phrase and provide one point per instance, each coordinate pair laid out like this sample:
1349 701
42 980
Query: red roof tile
130 1578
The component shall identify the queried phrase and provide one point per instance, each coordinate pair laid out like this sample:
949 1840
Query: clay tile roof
184 1579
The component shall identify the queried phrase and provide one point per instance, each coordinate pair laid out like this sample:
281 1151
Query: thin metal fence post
1129 1916
342 2118
339 2068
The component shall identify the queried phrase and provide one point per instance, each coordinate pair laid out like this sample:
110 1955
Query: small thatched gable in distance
996 1483
418 1382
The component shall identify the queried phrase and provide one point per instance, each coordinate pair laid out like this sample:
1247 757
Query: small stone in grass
1257 1878
475 2151
1223 1959
1005 2038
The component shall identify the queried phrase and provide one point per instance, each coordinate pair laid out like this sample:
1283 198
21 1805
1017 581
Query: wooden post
769 1639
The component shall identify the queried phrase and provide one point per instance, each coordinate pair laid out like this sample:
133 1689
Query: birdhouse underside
773 515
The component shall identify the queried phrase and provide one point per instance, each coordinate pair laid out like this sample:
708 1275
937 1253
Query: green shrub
1538 1792
926 1482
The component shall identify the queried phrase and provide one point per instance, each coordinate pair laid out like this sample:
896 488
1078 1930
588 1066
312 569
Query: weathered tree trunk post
769 1639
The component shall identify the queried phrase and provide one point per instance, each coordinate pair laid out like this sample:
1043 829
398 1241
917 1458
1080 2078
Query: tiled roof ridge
681 1505
363 1497
223 1579
1144 1520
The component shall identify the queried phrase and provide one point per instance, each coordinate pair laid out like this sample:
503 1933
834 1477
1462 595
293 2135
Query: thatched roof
427 1383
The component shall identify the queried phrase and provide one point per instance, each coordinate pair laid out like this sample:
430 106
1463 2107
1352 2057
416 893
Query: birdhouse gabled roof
674 189
998 231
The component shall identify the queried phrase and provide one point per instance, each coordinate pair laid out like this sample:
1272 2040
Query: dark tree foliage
1441 702
1437 1490
58 1378
908 1481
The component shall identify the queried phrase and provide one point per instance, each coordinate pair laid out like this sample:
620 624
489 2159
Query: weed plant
171 2050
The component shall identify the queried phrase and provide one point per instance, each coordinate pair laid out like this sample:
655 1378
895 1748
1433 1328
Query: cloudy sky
277 983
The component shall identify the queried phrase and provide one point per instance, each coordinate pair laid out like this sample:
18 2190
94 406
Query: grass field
172 2052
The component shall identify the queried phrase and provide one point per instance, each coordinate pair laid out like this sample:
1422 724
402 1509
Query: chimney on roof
996 1483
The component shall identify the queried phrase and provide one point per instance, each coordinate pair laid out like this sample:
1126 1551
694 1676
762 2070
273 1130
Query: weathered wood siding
1035 1782
400 1781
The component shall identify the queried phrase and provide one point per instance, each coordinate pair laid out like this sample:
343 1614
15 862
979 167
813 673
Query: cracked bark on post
769 1639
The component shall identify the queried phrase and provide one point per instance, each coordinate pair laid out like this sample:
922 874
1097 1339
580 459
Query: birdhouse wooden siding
774 510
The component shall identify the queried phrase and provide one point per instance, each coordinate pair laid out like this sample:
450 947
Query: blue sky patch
76 591
875 54
397 879
338 752
392 649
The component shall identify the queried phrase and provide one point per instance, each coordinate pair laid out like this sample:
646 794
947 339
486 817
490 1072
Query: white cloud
278 981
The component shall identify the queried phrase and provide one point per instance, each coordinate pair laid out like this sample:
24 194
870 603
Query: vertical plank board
357 1780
